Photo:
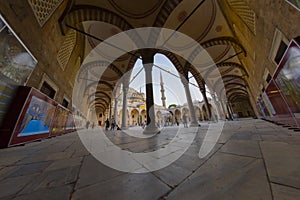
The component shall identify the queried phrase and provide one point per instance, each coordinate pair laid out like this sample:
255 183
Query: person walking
184 120
106 124
87 124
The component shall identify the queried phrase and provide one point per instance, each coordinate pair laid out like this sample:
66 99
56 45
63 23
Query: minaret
162 90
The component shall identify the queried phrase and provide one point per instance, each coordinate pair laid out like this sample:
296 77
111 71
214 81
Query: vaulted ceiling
202 20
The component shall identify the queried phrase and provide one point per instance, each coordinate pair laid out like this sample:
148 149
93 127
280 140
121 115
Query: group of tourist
87 125
112 124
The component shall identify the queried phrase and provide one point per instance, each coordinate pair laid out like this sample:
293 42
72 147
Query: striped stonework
247 15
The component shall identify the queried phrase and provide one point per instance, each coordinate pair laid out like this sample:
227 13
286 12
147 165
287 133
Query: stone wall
269 16
44 42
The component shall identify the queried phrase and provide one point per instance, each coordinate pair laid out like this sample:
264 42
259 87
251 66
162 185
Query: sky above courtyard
174 90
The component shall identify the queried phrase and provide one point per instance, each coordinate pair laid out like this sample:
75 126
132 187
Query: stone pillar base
151 130
124 128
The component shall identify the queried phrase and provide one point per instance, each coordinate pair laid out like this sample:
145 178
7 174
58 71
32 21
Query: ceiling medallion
219 28
181 16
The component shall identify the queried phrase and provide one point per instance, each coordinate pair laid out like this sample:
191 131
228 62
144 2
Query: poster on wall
37 119
263 108
288 81
70 122
16 62
60 120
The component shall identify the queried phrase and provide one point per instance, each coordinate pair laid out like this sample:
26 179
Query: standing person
176 120
87 124
235 117
144 124
106 124
184 121
113 123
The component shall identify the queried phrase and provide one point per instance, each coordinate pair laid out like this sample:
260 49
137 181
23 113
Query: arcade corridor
154 99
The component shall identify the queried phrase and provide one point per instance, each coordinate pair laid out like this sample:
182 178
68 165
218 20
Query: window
279 45
65 103
269 77
281 49
48 90
48 87
295 3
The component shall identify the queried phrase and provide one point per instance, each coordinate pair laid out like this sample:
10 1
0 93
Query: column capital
148 55
184 81
125 89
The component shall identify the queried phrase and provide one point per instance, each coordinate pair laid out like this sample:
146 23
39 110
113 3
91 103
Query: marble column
223 109
124 109
110 110
185 83
229 110
116 109
202 115
148 59
206 104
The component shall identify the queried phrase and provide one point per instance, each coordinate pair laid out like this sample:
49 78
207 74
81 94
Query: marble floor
250 159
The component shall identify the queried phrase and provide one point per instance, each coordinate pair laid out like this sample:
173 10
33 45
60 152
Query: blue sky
174 90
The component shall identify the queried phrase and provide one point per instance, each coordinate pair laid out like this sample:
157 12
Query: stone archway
213 112
134 117
204 112
186 111
178 115
143 116
198 113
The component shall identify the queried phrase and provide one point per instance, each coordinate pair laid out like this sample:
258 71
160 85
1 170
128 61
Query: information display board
33 116
283 90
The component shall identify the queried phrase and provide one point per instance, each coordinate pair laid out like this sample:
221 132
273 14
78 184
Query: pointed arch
235 90
237 93
81 13
88 66
97 99
233 64
97 83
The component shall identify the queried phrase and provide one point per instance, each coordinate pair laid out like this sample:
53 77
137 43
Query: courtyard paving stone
282 162
281 192
252 159
125 187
